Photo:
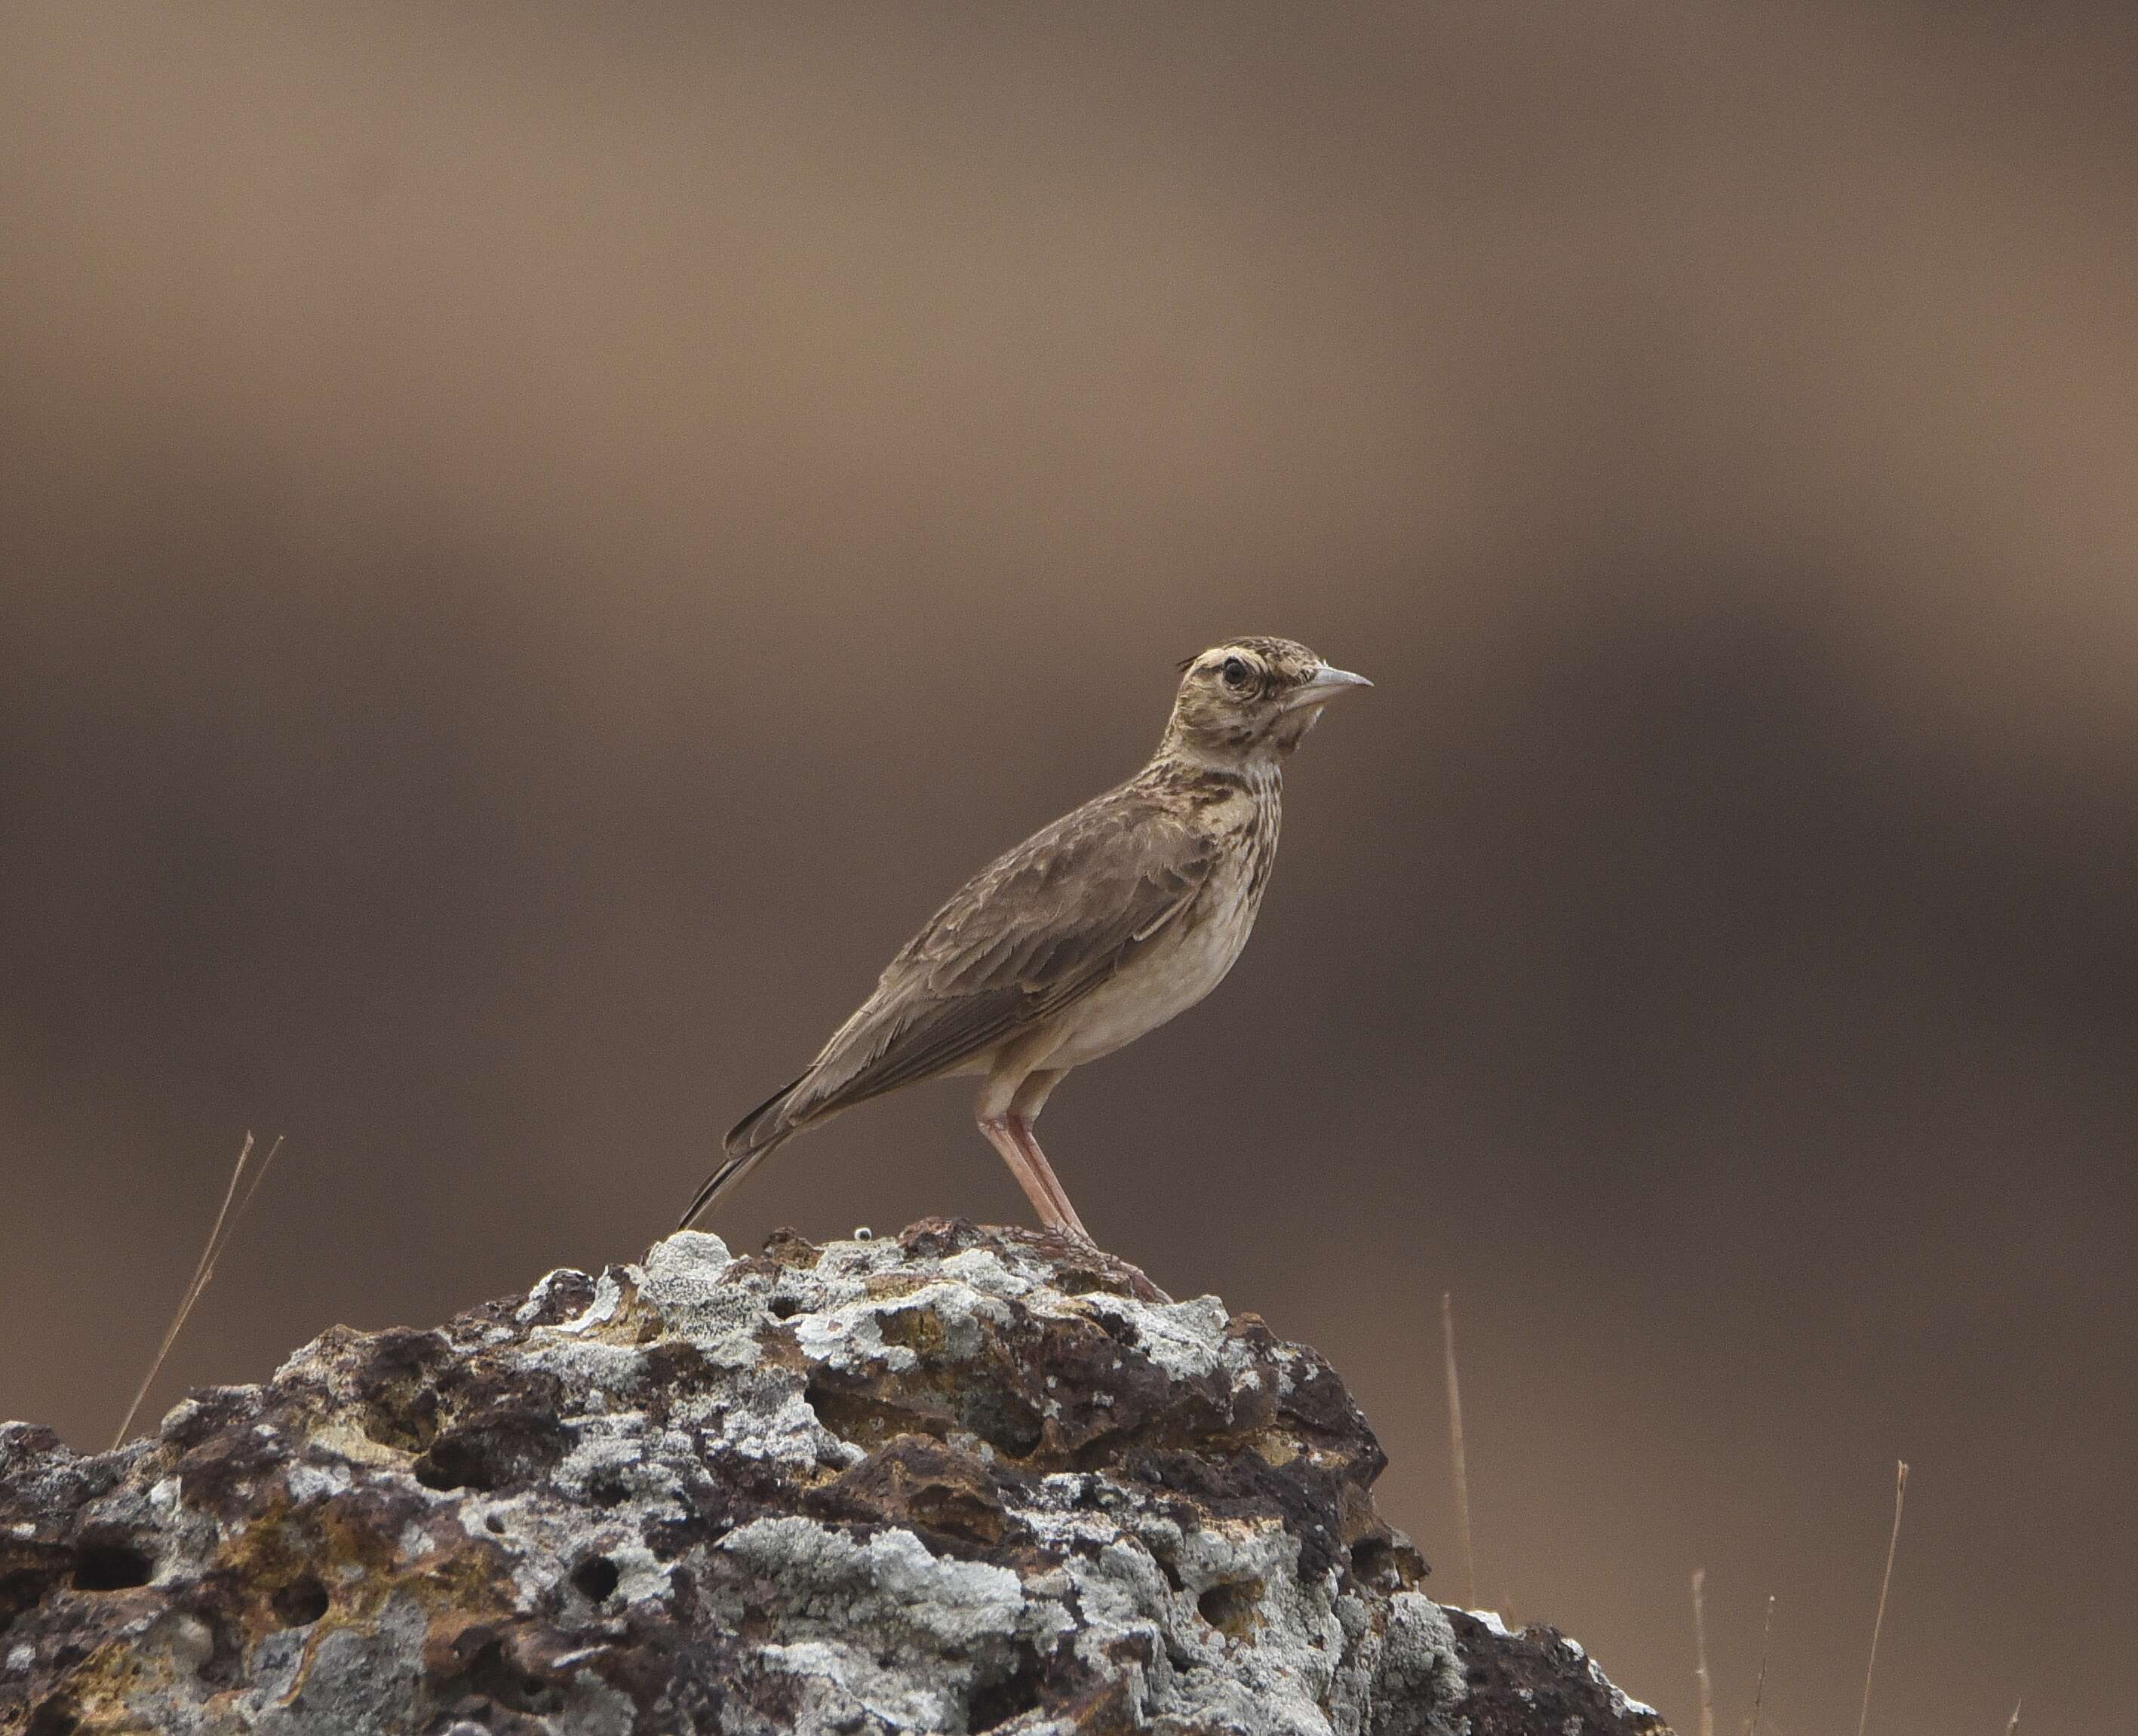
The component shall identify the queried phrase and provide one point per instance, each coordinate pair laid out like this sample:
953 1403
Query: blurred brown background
535 545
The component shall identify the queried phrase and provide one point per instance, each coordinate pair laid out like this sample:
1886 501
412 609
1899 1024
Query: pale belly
1164 982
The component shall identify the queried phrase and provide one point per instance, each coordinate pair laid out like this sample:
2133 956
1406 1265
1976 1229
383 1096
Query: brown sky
535 545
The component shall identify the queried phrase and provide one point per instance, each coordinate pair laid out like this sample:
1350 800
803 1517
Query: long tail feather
718 1182
749 1143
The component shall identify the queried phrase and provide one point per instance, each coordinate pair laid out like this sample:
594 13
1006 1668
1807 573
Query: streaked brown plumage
1093 931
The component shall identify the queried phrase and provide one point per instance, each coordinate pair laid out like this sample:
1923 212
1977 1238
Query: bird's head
1252 699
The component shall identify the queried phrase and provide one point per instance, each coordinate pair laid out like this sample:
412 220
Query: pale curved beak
1324 685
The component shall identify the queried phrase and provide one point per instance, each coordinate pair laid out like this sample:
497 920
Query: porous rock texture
965 1479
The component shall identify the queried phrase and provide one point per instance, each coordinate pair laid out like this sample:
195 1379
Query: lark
1093 931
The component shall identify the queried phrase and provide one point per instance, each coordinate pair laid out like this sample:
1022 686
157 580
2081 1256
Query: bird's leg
1024 1109
997 1127
1012 1137
1005 1112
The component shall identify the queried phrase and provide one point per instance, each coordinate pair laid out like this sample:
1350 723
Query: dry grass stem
1700 1653
218 1239
1759 1690
2013 1724
1885 1585
1455 1442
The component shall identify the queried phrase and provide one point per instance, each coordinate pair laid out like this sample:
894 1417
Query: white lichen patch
773 1422
1417 1662
545 1287
963 1314
688 1281
641 1576
844 1688
317 1482
982 1268
830 1585
608 1297
850 1339
603 1370
1186 1339
614 1455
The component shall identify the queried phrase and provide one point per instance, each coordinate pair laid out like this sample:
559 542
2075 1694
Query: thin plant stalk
218 1239
1759 1690
1455 1443
2012 1724
1700 1652
1878 1622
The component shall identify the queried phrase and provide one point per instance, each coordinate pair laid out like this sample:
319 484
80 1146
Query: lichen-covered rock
967 1480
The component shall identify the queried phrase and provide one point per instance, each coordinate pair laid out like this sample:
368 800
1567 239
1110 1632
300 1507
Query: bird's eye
1235 671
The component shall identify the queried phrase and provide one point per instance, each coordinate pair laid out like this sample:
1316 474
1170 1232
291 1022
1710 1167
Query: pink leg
1023 1110
1005 1140
1009 1131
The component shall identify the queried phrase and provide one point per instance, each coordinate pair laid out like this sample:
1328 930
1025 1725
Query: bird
1093 931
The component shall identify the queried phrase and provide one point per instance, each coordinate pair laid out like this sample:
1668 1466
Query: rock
967 1480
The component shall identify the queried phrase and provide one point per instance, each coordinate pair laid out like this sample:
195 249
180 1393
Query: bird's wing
1028 936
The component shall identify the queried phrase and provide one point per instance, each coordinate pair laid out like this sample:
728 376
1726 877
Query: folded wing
1030 935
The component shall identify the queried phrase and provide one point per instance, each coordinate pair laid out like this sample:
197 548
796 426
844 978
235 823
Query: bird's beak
1324 685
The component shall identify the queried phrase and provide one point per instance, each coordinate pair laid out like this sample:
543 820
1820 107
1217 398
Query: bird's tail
749 1143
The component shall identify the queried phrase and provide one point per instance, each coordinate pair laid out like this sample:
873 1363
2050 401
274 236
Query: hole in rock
53 1717
1121 1330
1373 1560
454 1463
997 1702
785 1308
499 1448
595 1577
1231 1608
605 1489
1005 1420
24 1589
109 1564
299 1603
489 1673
